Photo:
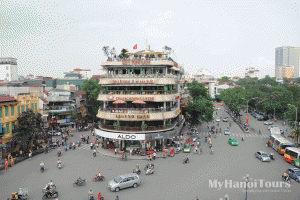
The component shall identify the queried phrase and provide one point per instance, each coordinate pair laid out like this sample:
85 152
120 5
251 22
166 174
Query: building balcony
140 79
138 61
155 96
150 129
138 114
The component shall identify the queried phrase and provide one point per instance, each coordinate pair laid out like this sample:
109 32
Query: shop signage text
136 62
126 137
132 116
134 81
134 98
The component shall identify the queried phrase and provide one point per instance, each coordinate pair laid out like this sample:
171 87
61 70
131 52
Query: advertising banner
119 136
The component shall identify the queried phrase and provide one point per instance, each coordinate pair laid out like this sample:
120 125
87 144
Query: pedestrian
6 164
154 155
117 197
12 163
115 151
125 155
66 139
97 147
200 149
99 196
30 154
259 131
88 137
130 151
62 143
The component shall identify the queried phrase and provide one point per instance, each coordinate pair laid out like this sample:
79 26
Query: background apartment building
286 56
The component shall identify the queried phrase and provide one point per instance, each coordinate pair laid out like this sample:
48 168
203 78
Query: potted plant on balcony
147 56
116 125
152 56
159 55
144 126
135 55
169 124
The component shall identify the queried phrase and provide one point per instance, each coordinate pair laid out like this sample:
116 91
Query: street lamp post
247 179
247 102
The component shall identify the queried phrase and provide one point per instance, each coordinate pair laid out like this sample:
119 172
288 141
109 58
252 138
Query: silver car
217 119
264 157
268 123
227 131
124 181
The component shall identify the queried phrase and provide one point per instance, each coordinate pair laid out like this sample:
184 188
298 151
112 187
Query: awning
119 102
139 102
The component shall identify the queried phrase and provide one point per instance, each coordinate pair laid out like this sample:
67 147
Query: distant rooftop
8 61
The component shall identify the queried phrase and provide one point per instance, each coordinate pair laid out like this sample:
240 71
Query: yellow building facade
10 110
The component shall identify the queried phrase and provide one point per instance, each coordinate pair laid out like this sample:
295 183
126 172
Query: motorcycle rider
94 153
91 194
137 167
79 180
58 162
187 158
99 175
212 150
243 137
92 145
73 144
48 191
286 176
42 165
66 147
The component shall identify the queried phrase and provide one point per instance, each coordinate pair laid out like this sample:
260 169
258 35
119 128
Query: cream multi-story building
8 69
286 56
141 102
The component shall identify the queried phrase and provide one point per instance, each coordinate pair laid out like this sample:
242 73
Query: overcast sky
220 37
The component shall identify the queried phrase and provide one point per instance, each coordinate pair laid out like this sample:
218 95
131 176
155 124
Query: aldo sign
119 136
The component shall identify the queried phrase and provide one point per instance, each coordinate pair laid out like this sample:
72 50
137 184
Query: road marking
261 136
247 135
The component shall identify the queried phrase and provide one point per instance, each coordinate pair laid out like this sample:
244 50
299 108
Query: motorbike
137 171
58 153
77 183
149 165
78 144
205 139
50 195
66 149
74 146
96 178
185 160
53 187
91 197
195 151
42 169
94 154
59 166
149 171
272 156
92 147
70 146
22 194
286 179
243 138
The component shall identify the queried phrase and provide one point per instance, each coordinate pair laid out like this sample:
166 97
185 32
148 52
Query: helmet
58 158
99 172
117 196
51 181
78 177
90 189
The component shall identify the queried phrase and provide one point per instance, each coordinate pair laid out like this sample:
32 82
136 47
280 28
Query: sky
217 37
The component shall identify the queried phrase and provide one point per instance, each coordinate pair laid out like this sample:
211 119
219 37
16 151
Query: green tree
29 123
152 56
268 80
93 89
224 79
159 55
147 56
199 110
122 54
197 89
74 114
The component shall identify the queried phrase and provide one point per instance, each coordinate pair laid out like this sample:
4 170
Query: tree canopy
224 79
93 89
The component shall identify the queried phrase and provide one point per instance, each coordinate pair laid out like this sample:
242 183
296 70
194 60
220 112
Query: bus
292 155
281 143
273 138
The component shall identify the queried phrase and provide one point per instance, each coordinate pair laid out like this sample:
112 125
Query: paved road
172 179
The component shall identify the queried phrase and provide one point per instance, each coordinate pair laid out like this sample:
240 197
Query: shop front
121 141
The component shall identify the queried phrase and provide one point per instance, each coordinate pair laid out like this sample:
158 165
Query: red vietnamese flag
247 119
135 46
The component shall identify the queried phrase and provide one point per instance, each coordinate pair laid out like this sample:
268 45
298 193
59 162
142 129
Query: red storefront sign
135 98
136 62
134 81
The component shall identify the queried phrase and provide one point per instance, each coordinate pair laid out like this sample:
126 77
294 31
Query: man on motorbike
48 190
91 194
286 176
66 147
94 153
73 144
79 180
58 162
243 137
99 175
42 165
187 158
92 145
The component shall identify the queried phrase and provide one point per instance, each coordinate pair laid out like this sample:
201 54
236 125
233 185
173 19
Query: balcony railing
140 76
134 92
138 111
134 58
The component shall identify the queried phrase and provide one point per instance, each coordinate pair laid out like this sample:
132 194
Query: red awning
177 97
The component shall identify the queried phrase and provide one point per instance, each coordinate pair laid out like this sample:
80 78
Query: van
124 181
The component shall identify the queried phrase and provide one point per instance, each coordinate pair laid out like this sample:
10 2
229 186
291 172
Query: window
12 110
26 107
13 126
22 108
130 179
0 111
18 109
7 128
6 111
32 107
35 106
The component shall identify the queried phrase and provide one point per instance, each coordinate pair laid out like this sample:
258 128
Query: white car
271 127
217 119
268 123
227 131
